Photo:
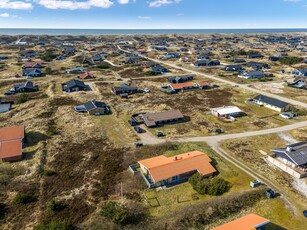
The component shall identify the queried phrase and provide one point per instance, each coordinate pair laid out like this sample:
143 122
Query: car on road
139 129
132 122
305 213
138 144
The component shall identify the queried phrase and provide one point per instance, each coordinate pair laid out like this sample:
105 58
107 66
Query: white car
285 115
146 90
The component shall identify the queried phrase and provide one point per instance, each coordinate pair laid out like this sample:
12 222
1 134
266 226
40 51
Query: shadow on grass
33 138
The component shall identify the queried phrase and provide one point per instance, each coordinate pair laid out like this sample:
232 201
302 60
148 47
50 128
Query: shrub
48 70
150 73
22 198
104 65
2 210
55 206
290 60
131 213
22 98
209 186
49 173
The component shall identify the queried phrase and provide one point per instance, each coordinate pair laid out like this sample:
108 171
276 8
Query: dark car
132 122
9 93
219 131
138 144
305 213
160 134
139 130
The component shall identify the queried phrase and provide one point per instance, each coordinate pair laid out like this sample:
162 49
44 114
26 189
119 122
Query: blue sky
153 14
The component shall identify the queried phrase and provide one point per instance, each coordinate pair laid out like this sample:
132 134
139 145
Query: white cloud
73 5
16 5
144 17
5 15
158 3
123 1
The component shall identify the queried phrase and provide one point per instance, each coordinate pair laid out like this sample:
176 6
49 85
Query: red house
11 141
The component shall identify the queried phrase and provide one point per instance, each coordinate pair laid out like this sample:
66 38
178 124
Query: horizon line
273 28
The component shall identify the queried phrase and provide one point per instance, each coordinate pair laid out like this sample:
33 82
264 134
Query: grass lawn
165 201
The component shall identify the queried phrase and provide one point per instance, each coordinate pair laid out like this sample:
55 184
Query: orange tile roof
203 83
182 85
162 167
11 133
248 222
11 139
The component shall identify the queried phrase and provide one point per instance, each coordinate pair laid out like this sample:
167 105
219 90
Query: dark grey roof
28 84
90 105
271 101
74 83
296 153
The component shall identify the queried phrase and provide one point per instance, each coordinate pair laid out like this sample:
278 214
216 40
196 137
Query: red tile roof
249 222
162 167
182 85
11 139
86 75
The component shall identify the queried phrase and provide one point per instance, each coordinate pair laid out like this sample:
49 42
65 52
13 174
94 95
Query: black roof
124 87
90 105
296 153
74 83
28 84
271 101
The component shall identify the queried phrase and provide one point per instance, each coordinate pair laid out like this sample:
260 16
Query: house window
175 178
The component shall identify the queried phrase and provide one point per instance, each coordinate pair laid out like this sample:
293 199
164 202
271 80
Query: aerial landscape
153 115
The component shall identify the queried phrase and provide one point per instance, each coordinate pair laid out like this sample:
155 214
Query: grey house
300 72
24 87
294 155
93 108
124 89
235 68
207 63
74 86
5 106
31 72
299 83
179 79
252 75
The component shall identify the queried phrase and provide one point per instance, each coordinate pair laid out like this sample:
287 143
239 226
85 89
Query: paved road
243 86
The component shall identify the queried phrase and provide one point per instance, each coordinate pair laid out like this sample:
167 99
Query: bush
49 56
22 98
2 210
55 206
104 65
123 214
22 198
209 186
290 60
150 73
49 173
54 225
48 70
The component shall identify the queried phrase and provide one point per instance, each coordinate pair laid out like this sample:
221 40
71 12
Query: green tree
22 98
54 225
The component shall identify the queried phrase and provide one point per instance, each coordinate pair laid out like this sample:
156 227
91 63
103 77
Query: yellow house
272 103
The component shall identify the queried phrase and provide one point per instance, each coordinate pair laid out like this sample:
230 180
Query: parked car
132 122
146 90
139 130
160 134
285 115
219 131
305 213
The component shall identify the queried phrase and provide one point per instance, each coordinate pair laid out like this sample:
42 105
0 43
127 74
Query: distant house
181 86
124 89
254 55
271 103
5 106
299 83
159 69
206 63
31 72
252 75
170 55
238 60
32 65
97 58
93 108
24 87
257 65
202 85
300 72
179 79
226 111
294 155
76 70
86 75
74 86
11 143
161 118
235 68
88 61
167 171
274 58
248 222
